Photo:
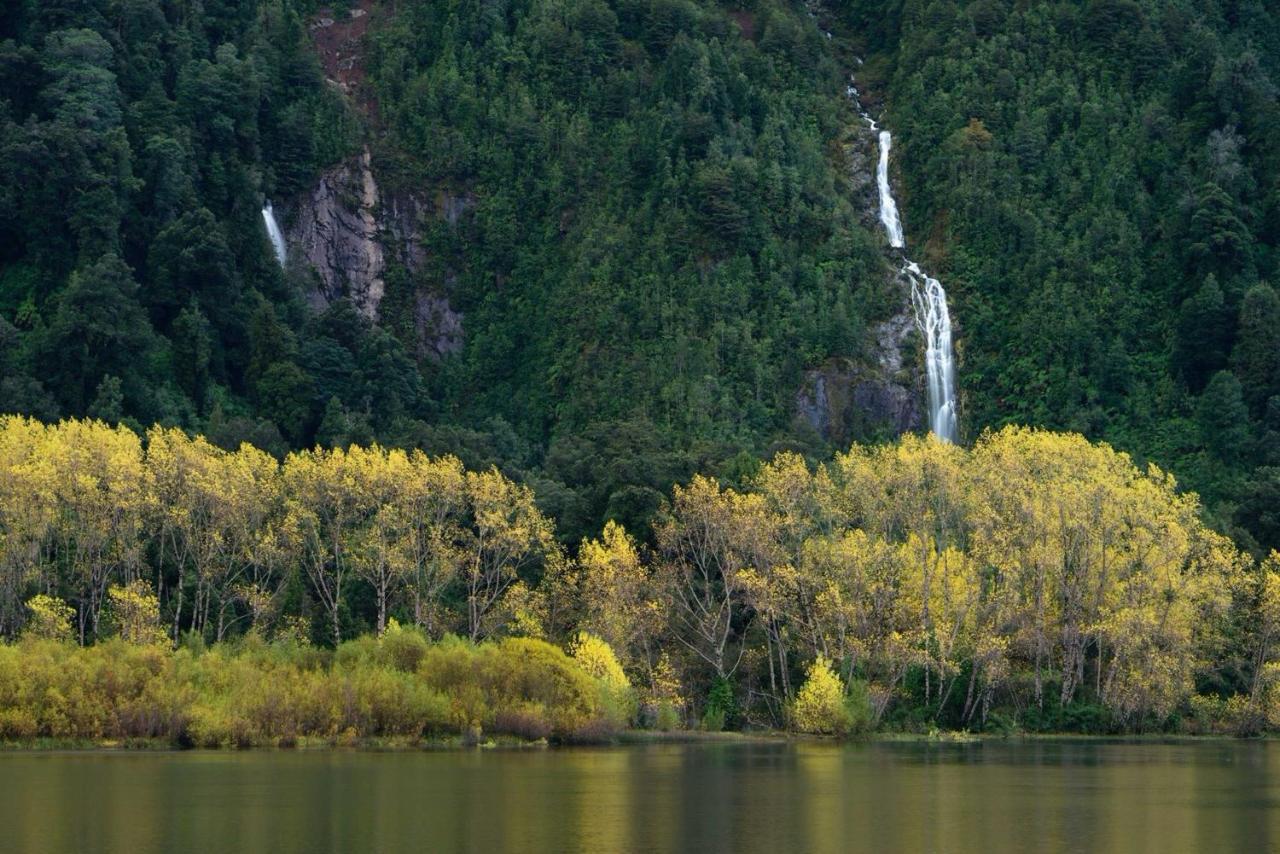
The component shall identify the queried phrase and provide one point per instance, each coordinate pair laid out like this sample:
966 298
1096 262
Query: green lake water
743 797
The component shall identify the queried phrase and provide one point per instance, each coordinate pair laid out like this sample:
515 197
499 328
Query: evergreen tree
1256 357
1204 335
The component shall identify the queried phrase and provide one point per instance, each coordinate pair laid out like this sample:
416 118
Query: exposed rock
439 326
861 150
339 45
347 230
402 213
844 400
336 233
450 205
880 392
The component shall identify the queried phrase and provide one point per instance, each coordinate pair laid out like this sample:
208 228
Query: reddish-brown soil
339 44
746 23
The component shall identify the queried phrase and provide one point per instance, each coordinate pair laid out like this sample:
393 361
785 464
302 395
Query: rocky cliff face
847 399
337 233
347 231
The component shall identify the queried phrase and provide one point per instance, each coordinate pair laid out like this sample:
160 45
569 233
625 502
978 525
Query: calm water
1043 796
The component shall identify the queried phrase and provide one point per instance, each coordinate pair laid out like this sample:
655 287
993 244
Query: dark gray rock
347 231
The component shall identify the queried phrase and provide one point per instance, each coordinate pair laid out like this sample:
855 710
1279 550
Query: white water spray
927 296
273 231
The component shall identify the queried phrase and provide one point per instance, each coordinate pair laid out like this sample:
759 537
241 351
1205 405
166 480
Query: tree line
1035 580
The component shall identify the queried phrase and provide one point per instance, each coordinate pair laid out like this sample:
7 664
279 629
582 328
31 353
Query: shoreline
627 738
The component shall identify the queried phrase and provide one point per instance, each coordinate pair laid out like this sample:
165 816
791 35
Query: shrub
857 702
523 722
722 708
403 647
521 671
667 717
664 705
249 692
820 706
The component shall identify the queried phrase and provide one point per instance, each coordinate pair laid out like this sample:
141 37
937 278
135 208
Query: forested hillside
548 266
1099 187
651 241
657 238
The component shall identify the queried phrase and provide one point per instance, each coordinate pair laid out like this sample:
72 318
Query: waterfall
273 231
928 298
888 207
934 320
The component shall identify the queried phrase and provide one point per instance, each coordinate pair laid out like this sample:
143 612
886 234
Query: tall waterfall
273 231
927 296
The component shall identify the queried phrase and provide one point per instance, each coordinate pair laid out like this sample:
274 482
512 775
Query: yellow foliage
819 707
136 611
597 659
49 618
617 594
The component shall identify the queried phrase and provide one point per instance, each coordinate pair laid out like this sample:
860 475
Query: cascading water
273 231
927 296
888 207
940 370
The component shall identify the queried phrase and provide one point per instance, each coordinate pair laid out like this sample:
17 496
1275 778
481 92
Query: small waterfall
273 231
928 298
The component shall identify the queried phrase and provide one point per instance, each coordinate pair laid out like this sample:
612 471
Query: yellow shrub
819 707
49 618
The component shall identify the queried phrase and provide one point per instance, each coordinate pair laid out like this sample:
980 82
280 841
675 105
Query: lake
744 797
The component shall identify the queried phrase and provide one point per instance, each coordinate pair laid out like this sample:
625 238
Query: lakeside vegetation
654 238
159 586
389 690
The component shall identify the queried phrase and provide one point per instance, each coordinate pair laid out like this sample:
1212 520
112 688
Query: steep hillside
601 245
1101 186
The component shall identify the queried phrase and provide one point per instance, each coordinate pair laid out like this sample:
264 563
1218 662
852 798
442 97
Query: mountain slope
1100 185
601 244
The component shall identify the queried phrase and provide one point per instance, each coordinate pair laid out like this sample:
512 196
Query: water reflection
991 797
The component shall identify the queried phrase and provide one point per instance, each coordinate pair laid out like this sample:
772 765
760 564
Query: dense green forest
662 239
1098 184
659 237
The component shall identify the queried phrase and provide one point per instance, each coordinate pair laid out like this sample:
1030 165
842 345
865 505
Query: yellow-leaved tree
619 602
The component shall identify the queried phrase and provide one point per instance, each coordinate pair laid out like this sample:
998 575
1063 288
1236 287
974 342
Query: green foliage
1107 240
858 707
721 708
640 219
